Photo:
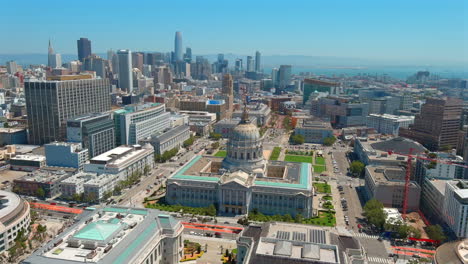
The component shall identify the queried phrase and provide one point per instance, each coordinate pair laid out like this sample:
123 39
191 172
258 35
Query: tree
357 167
187 143
445 148
211 210
299 218
297 139
146 170
215 136
40 192
435 232
6 125
328 141
373 211
215 145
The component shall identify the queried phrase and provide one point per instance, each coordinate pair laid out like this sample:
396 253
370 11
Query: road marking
379 260
364 235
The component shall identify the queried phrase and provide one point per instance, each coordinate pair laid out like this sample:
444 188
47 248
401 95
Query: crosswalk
363 235
376 260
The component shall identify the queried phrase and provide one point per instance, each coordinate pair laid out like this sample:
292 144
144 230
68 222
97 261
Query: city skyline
365 30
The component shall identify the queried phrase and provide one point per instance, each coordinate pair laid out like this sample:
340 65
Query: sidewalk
337 204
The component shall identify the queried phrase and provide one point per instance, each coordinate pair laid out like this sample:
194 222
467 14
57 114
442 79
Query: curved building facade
14 216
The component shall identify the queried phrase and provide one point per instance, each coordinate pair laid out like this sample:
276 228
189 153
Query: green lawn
320 160
221 153
322 187
294 158
327 198
324 219
319 168
275 153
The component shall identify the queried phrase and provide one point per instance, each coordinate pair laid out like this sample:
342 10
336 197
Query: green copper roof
149 231
303 180
180 174
99 230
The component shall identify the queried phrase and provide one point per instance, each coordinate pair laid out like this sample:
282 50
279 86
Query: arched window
255 155
248 155
242 156
235 155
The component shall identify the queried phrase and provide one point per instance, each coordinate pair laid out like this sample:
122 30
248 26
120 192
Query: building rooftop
11 130
455 252
8 203
45 176
296 175
120 155
393 117
377 148
29 157
287 243
385 175
109 235
313 124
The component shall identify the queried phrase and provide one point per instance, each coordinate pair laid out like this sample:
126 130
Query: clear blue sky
410 30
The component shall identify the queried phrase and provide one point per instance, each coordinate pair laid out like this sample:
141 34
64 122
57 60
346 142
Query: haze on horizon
406 31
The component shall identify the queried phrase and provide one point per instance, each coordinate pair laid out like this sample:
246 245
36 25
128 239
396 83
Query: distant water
398 72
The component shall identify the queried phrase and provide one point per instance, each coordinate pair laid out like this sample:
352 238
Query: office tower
95 132
178 53
137 60
201 69
284 76
221 65
188 55
228 93
182 69
12 67
162 75
437 125
137 122
257 61
238 65
321 86
274 77
54 59
84 48
110 54
96 64
50 104
250 64
125 70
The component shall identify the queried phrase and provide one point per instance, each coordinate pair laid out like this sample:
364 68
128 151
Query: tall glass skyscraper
250 64
84 48
125 70
178 52
257 61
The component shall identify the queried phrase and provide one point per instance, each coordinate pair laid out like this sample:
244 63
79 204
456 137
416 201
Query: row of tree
167 155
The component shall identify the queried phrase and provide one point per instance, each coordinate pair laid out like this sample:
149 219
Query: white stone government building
243 180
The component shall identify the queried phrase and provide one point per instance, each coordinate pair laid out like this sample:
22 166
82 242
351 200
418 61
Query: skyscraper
284 76
50 104
228 92
178 53
250 64
96 64
84 48
238 65
437 125
188 55
257 61
125 70
54 59
12 67
274 77
137 60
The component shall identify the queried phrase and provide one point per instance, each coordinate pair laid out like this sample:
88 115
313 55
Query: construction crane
408 172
